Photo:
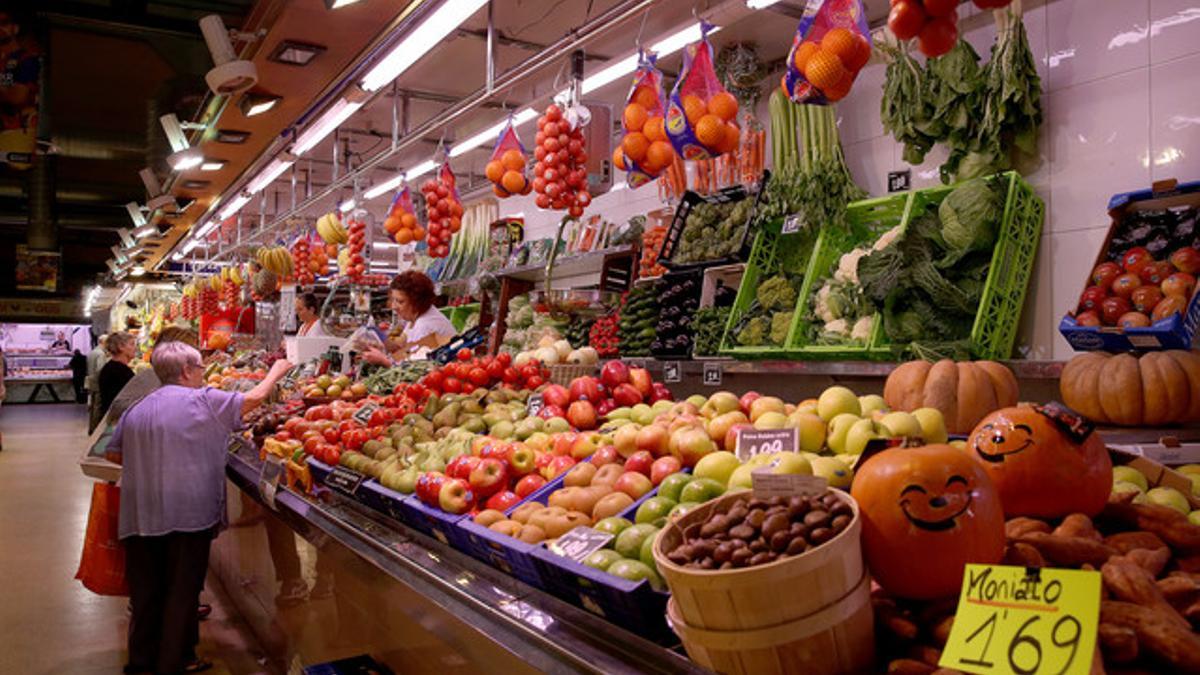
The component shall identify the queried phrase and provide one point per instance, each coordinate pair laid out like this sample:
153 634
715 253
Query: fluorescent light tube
317 131
178 256
664 47
190 246
137 271
450 15
212 165
346 205
760 4
391 183
490 134
268 175
135 214
234 206
185 159
208 227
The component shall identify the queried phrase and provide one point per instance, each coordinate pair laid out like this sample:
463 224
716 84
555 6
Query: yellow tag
1013 620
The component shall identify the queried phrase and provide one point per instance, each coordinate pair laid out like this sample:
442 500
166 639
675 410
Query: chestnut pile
758 531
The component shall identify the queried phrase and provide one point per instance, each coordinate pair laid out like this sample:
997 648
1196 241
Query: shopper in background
95 361
116 373
60 343
79 364
146 381
307 311
420 323
172 445
3 389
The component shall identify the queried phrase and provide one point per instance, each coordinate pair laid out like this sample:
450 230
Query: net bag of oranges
644 152
401 222
443 210
701 114
506 169
830 47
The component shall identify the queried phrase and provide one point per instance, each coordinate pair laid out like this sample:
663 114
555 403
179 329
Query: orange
619 158
841 89
455 224
693 108
841 43
408 220
635 116
646 97
391 224
655 129
824 70
724 105
803 53
634 145
513 181
861 55
659 155
494 170
710 130
732 138
418 233
404 236
500 191
513 160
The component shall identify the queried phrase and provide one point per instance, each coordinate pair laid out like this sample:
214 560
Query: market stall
37 359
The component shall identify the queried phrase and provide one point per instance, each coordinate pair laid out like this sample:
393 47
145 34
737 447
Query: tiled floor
51 624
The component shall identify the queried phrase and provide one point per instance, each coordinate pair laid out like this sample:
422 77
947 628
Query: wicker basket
563 373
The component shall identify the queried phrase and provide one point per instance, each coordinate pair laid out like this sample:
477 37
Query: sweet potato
1129 581
1124 542
1170 525
1021 525
1118 643
1157 634
1068 551
1021 554
1153 561
1180 590
1077 525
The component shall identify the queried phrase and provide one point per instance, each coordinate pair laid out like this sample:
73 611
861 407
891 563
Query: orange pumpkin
964 392
926 513
1041 469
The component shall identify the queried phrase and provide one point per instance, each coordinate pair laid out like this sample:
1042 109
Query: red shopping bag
102 567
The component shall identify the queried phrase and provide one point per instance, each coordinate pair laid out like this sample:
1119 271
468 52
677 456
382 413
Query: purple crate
318 469
505 553
434 522
385 500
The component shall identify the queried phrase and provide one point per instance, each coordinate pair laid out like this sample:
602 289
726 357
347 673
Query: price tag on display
268 479
791 225
343 480
751 442
767 485
580 542
672 372
534 405
1018 620
712 374
636 363
363 414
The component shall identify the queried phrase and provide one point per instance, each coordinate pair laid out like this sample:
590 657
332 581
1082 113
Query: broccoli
755 332
776 293
781 323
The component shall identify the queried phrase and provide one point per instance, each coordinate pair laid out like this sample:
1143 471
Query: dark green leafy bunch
709 325
769 317
906 111
1014 95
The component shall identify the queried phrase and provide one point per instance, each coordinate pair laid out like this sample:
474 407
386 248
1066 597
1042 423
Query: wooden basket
563 373
788 589
839 638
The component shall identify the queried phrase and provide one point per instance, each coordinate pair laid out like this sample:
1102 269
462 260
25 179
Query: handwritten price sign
1013 620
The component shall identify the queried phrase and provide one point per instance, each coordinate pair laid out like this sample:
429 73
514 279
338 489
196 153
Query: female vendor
420 324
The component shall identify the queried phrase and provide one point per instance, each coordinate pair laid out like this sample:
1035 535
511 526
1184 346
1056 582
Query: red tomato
333 455
937 37
478 377
467 387
348 425
416 392
332 435
530 370
534 382
312 444
465 354
906 19
1135 259
504 358
495 370
453 385
940 7
434 380
511 376
283 435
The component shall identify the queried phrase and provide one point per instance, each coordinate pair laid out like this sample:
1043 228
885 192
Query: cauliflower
776 293
847 269
862 328
781 324
754 333
839 327
822 307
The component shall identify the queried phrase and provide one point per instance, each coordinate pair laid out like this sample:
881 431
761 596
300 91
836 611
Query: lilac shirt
174 443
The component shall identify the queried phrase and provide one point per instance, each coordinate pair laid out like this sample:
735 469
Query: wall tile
1088 40
927 173
1099 143
858 113
1072 255
1175 117
869 162
1174 29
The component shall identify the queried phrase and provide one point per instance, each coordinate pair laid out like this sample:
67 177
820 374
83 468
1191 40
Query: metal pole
293 207
335 156
395 113
491 47
404 117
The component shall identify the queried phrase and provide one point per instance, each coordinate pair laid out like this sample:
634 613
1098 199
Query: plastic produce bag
443 209
701 114
401 222
506 169
102 566
645 151
831 45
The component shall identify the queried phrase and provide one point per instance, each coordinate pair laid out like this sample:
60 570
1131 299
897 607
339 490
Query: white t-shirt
432 321
313 330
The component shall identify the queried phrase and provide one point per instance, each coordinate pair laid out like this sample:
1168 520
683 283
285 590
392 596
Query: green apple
740 479
681 509
602 559
1170 497
808 405
771 420
636 570
655 510
629 542
859 434
848 460
672 485
811 430
642 414
661 406
837 400
697 400
838 427
933 424
613 525
701 490
718 466
900 425
1194 517
646 555
790 462
838 474
1188 468
870 403
1128 474
1122 486
556 425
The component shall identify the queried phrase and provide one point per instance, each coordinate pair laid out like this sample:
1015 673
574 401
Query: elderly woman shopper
172 444
115 374
146 381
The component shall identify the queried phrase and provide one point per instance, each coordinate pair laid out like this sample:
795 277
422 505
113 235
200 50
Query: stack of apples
588 398
1137 290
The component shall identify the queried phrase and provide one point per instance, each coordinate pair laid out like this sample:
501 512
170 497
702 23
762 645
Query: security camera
230 75
154 192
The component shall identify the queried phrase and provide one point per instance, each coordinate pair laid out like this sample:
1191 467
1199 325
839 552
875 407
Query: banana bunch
190 290
216 283
235 275
277 259
330 227
343 261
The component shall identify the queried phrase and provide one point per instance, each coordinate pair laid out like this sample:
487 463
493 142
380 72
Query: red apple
660 392
488 477
462 466
653 438
1124 286
503 500
556 395
1112 309
552 411
641 380
640 462
1135 259
719 426
1179 283
497 450
1089 318
626 395
625 438
1104 274
731 435
429 485
663 467
584 388
521 458
605 454
1156 272
563 442
528 485
543 460
559 465
1170 305
1145 298
585 446
1133 320
605 406
582 414
1092 297
1186 259
633 484
614 374
747 400
689 445
456 496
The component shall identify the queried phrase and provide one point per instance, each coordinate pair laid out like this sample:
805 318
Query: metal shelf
1027 370
584 263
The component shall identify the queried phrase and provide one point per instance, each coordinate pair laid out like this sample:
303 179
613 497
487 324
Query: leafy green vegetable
970 215
709 325
905 111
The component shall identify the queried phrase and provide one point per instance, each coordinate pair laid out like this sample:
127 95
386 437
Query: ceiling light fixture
135 214
174 132
146 231
118 254
126 237
269 174
347 205
760 4
336 4
234 206
212 165
177 256
185 159
195 184
295 53
393 182
230 74
154 192
524 115
137 271
419 40
232 136
329 120
257 103
190 246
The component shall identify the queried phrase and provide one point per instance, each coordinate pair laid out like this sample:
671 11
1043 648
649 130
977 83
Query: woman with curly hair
420 324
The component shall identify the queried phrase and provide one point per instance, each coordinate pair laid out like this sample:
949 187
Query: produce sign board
712 374
1018 620
580 542
534 405
346 481
363 414
767 485
751 442
672 372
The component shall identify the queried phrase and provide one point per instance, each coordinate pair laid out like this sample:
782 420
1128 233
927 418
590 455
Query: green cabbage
970 216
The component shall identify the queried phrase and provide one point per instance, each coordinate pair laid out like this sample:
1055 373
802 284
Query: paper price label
363 414
751 442
712 374
534 405
791 225
768 485
580 542
1018 620
672 372
268 479
344 480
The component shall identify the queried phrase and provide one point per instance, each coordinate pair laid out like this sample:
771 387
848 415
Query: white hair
170 358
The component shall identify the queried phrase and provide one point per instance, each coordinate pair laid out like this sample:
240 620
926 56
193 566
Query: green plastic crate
458 315
868 220
769 249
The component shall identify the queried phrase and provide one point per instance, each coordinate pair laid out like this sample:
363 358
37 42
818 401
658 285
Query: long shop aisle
51 624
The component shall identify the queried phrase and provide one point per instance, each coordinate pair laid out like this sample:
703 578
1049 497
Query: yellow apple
765 404
836 439
837 400
933 424
771 420
838 474
860 433
812 430
1128 474
900 425
870 403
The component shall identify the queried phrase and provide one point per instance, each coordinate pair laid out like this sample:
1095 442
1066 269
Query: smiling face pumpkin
1039 469
917 500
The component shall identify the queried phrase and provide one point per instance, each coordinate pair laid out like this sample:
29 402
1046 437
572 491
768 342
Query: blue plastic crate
318 469
505 553
434 522
385 500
